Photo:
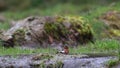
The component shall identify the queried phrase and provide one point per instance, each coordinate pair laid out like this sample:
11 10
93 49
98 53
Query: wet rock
58 61
42 56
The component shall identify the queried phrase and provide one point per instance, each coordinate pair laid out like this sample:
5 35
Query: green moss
42 56
46 56
66 26
111 18
112 63
19 36
114 32
58 64
42 65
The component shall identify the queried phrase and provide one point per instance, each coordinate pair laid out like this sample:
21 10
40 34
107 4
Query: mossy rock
69 28
112 20
51 29
114 32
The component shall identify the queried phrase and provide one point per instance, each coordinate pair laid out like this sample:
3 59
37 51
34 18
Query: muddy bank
56 61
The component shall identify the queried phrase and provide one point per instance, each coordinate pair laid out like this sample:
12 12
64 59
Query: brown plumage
50 39
65 50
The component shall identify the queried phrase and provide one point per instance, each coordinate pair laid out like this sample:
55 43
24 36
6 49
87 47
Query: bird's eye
41 23
31 19
28 33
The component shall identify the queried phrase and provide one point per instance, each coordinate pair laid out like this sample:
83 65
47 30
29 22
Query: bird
65 50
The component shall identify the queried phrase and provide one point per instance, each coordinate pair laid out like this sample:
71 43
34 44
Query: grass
112 63
100 46
20 51
4 26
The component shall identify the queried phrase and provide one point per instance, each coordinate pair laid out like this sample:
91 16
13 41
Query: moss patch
112 19
19 36
69 28
112 63
42 56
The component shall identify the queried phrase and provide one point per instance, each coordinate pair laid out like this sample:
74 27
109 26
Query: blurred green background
42 4
89 9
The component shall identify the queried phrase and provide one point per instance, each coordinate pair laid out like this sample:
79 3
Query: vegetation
112 63
58 64
69 28
26 4
42 56
104 46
